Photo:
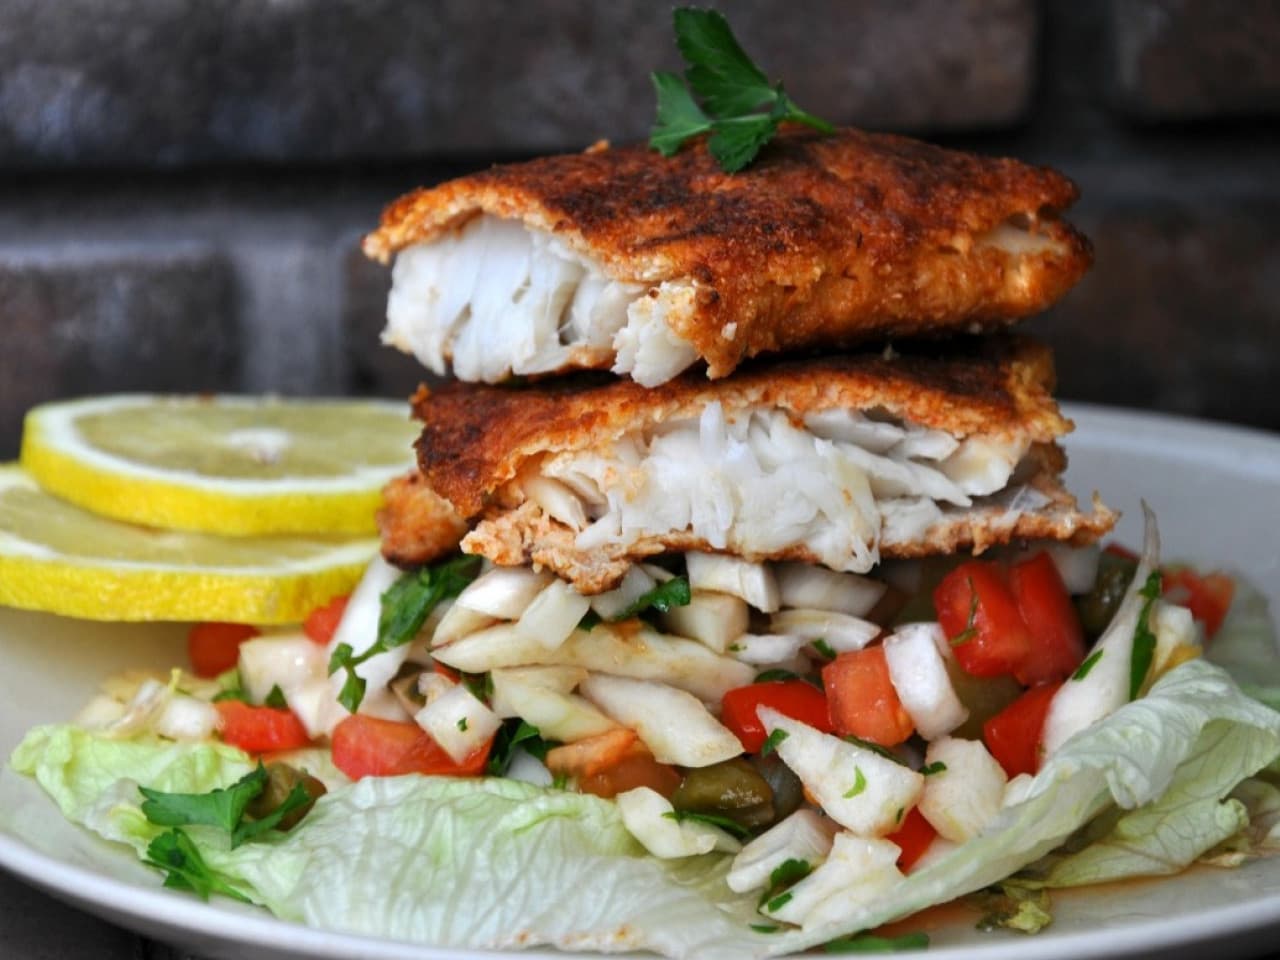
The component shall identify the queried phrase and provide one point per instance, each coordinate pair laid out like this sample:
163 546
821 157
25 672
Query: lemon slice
228 465
61 559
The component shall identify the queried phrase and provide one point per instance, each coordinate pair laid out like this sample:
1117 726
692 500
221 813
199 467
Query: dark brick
372 369
1191 59
172 82
1178 314
83 322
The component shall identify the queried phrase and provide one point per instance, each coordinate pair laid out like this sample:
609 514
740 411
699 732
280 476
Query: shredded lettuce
497 863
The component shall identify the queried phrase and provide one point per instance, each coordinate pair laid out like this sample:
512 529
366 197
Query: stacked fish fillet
768 382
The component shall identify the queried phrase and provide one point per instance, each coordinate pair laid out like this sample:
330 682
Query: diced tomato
214 648
1013 735
980 617
260 729
322 622
1057 639
637 769
796 699
584 758
1208 596
371 747
862 700
913 837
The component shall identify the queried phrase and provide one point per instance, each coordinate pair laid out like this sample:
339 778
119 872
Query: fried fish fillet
623 259
839 460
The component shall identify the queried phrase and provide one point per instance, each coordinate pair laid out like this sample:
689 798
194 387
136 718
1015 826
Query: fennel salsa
855 768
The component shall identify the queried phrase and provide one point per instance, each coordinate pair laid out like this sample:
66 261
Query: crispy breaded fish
416 524
839 461
623 259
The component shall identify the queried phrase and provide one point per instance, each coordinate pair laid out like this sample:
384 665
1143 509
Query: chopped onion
458 722
101 711
713 619
805 835
554 614
635 584
673 724
648 816
282 660
767 648
503 592
919 676
753 582
557 713
840 631
809 585
186 718
459 622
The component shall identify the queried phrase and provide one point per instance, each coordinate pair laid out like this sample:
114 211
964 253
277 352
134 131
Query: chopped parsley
405 608
731 827
772 741
784 876
462 724
930 769
276 698
824 648
514 733
869 943
671 593
1090 662
1144 641
874 748
859 784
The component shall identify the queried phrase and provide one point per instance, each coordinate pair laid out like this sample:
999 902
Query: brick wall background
183 182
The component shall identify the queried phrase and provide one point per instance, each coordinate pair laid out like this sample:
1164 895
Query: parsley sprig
740 108
405 608
1144 641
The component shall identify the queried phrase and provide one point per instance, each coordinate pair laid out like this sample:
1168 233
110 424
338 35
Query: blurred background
183 183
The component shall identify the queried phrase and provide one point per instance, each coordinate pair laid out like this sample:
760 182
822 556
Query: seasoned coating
527 535
476 438
417 526
824 240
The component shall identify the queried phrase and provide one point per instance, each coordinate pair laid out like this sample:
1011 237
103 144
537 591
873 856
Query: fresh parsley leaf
869 943
235 693
824 648
771 742
251 829
778 902
480 685
184 868
405 607
560 781
276 698
731 827
514 733
740 107
874 748
672 593
930 769
769 676
736 141
1144 641
1082 671
223 808
764 927
859 784
590 620
970 630
784 876
679 116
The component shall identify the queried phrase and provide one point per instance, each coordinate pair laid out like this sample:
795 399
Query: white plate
1215 489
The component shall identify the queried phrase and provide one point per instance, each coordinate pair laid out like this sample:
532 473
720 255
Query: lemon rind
143 495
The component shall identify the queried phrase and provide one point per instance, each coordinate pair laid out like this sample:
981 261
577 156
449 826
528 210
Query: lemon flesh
227 465
58 558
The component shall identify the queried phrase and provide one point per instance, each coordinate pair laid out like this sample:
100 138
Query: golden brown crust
476 438
824 240
417 526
